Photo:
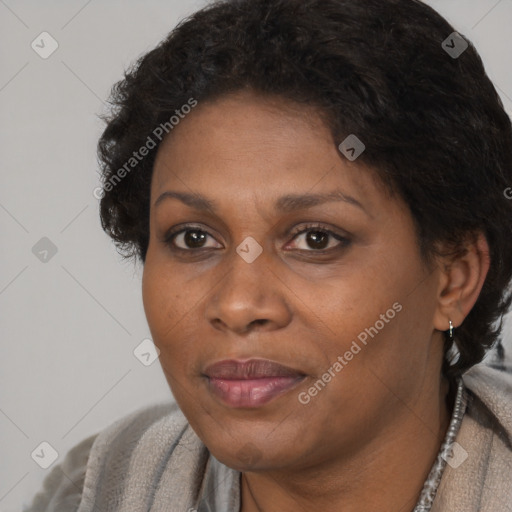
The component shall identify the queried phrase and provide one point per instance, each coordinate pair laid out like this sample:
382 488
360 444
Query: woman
316 191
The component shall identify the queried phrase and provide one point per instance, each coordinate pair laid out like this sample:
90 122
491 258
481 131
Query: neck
386 474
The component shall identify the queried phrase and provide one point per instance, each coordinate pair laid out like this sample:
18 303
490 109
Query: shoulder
477 476
491 391
64 486
61 490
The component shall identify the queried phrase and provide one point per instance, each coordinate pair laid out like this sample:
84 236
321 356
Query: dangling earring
450 331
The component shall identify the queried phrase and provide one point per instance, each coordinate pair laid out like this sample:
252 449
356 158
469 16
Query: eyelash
344 241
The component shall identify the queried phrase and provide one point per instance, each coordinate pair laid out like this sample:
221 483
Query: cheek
155 298
165 306
368 311
355 301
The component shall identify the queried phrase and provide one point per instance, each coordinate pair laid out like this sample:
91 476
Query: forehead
245 145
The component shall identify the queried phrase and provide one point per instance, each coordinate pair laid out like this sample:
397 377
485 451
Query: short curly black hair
433 124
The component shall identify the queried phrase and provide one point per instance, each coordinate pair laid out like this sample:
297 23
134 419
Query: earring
450 331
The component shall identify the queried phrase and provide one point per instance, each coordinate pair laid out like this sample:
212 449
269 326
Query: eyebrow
285 204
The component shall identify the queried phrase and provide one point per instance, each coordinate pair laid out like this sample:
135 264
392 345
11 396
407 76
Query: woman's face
281 249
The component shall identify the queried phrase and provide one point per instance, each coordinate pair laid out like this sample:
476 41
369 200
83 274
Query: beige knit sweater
153 461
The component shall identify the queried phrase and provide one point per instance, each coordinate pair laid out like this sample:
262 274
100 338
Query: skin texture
368 439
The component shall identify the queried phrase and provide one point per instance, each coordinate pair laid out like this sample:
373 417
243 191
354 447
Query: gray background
70 324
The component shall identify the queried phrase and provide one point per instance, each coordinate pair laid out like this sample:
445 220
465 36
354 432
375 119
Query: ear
461 280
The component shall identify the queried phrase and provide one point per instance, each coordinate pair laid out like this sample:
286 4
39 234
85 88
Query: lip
250 383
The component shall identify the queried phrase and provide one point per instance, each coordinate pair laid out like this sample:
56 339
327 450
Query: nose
250 297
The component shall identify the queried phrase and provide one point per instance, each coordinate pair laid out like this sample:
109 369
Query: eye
314 238
319 239
189 238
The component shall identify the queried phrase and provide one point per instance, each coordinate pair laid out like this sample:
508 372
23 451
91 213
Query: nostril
261 321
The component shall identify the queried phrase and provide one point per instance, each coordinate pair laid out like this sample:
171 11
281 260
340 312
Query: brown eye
317 239
194 239
189 238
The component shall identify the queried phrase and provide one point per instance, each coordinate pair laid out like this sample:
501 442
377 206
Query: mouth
251 383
